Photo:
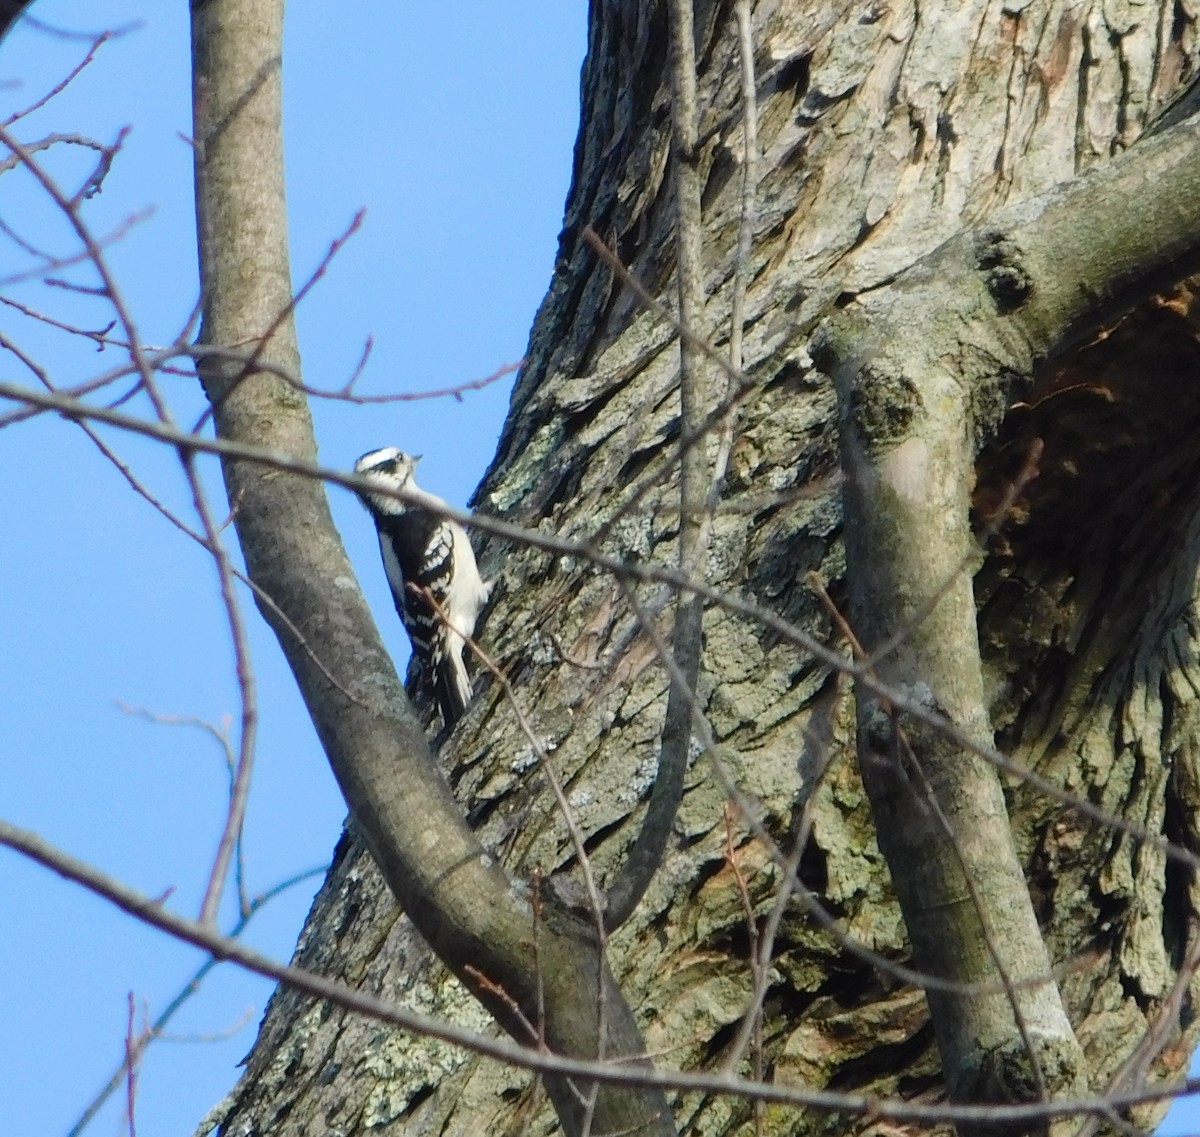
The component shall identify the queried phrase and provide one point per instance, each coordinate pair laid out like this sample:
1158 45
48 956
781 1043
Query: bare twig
758 968
221 737
347 394
689 335
627 1072
156 1029
251 363
535 904
93 183
54 264
99 337
578 841
742 269
97 42
745 243
751 1026
223 1034
240 790
646 853
70 139
133 1049
739 386
67 34
212 536
494 988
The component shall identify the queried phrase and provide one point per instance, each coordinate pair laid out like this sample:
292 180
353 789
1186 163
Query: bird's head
391 469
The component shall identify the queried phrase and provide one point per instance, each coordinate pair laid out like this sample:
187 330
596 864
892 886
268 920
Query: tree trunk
883 132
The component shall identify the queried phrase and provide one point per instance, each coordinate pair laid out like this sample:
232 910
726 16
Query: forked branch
924 368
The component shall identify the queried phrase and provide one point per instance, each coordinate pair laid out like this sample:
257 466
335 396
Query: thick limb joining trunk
1071 640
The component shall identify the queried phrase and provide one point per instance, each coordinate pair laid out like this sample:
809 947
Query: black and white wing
419 552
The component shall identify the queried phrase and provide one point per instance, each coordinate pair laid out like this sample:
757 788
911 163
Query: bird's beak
417 458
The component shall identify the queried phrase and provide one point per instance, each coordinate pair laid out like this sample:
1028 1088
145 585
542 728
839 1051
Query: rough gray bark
883 132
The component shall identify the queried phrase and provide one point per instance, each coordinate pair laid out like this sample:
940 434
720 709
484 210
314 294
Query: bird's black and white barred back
425 550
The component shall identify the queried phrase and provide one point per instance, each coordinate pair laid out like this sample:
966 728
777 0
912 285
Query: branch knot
1005 274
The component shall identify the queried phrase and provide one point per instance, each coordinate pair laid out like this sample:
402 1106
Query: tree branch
925 368
456 894
636 1074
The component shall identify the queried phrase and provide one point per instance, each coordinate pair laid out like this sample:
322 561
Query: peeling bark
884 132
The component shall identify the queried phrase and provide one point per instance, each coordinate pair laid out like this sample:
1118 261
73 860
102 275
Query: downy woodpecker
422 549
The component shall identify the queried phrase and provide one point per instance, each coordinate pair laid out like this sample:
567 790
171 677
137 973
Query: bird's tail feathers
452 689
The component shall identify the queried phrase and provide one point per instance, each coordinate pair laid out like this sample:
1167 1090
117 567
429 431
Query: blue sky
454 130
